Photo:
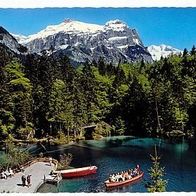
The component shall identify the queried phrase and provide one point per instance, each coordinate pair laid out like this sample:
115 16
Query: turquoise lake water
115 154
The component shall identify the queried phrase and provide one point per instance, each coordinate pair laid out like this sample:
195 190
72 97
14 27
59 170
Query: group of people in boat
125 175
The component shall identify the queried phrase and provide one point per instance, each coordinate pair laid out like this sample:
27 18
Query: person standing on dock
29 180
23 178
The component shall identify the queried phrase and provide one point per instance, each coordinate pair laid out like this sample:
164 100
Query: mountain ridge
114 42
82 42
11 42
158 51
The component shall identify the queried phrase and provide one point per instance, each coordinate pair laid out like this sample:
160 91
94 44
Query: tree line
44 95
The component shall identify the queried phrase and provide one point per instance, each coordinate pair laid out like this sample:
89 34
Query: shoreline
52 143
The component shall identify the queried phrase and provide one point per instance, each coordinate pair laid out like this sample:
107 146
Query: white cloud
95 3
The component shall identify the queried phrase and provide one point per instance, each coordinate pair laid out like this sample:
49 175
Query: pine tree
157 184
193 50
20 90
79 104
60 113
185 52
102 66
90 92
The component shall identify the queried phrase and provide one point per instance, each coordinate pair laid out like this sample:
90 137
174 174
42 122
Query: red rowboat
132 180
77 172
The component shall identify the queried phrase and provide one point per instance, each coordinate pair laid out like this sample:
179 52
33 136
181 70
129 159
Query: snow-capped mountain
81 41
162 50
9 41
19 38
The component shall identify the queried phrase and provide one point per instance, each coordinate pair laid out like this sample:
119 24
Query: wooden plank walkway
36 170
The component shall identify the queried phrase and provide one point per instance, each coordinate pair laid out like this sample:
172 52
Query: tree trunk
157 115
68 134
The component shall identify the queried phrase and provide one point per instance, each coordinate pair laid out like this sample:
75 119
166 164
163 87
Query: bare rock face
81 42
9 41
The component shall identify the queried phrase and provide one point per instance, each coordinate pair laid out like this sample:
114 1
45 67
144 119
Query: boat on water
126 177
109 184
77 172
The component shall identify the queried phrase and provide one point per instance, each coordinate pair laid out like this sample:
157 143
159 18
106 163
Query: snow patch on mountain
113 41
115 25
20 38
122 47
162 51
68 26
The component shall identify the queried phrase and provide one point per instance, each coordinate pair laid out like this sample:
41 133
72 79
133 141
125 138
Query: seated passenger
135 172
113 178
120 178
117 177
138 169
125 176
129 171
110 178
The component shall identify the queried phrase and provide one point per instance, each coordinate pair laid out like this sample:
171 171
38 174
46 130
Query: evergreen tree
134 107
47 94
89 89
60 113
79 104
157 89
193 50
20 90
185 52
156 172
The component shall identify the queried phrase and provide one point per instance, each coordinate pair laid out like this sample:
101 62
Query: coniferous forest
42 95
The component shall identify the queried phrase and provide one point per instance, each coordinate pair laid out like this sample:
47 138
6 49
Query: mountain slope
9 41
114 42
162 50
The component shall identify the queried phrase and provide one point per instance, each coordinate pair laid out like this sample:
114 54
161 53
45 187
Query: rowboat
129 181
77 172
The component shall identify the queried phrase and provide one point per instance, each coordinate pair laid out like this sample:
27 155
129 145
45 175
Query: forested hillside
43 95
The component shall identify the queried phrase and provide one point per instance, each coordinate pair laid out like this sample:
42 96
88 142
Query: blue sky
171 26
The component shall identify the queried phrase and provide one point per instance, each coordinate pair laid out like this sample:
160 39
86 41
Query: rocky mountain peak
3 31
82 41
162 51
116 25
68 20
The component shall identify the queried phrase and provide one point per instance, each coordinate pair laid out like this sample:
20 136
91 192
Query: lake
115 154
